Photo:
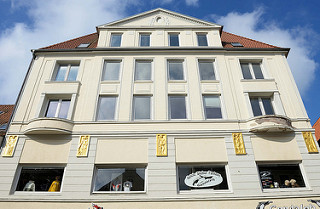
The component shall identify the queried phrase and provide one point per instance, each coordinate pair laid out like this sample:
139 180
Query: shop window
111 70
173 39
141 107
143 70
251 70
177 107
40 179
175 70
115 40
212 106
106 108
261 106
192 177
206 70
68 72
144 40
119 179
202 39
275 176
58 108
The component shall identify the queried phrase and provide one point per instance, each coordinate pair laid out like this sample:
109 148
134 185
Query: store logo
262 205
202 179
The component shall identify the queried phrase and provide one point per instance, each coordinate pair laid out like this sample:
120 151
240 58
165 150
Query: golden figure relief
311 145
8 150
162 145
238 144
83 146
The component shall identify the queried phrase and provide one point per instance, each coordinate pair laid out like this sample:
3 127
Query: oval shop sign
202 179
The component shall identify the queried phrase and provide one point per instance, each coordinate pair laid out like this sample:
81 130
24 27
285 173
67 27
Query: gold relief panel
311 145
11 143
162 147
83 146
238 144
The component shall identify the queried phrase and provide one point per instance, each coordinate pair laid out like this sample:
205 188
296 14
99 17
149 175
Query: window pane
40 179
246 71
175 70
61 74
267 106
177 107
283 176
257 70
206 71
72 76
143 70
106 108
255 106
119 179
115 40
141 107
52 108
199 176
64 108
174 39
202 40
111 71
212 107
145 40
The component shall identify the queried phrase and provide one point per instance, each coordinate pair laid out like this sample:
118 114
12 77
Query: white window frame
206 35
115 108
151 70
120 61
251 70
133 103
143 34
186 106
56 115
69 65
214 69
263 112
174 33
221 107
112 34
183 69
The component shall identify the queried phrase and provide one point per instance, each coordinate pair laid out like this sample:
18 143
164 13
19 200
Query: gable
159 18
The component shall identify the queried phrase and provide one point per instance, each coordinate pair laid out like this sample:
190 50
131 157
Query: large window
275 176
202 39
111 70
58 108
106 108
119 179
66 73
212 106
175 70
251 70
115 40
141 107
261 106
177 107
40 179
144 40
202 177
173 39
206 70
143 70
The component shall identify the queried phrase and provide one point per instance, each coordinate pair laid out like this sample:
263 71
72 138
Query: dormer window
202 39
83 45
236 44
173 39
115 40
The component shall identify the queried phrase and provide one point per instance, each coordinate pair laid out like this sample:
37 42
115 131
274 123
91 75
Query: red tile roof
5 114
226 38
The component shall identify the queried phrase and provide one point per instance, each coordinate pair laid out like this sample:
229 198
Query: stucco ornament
8 150
311 145
238 144
162 148
83 146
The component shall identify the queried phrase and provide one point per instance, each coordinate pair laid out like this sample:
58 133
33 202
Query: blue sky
32 24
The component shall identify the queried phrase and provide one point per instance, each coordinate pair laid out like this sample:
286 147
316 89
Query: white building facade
160 110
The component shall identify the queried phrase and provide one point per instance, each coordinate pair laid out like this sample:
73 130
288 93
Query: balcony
49 126
270 123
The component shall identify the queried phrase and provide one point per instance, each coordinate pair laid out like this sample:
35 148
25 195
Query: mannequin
55 186
30 186
127 186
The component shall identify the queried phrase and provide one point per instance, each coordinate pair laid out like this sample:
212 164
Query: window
119 179
202 39
206 70
111 71
67 73
141 107
58 108
177 107
275 176
144 40
175 68
83 45
143 70
106 108
3 126
173 39
202 177
212 107
40 179
236 44
115 40
261 106
251 71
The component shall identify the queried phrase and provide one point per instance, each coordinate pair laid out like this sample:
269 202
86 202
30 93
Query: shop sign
271 205
203 179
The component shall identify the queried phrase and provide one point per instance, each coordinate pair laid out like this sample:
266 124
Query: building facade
160 110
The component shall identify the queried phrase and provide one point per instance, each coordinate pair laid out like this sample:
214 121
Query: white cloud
192 2
253 26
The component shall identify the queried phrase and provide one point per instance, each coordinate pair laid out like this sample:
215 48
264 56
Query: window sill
204 191
43 193
272 190
143 81
109 81
177 81
50 82
120 192
210 81
258 80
